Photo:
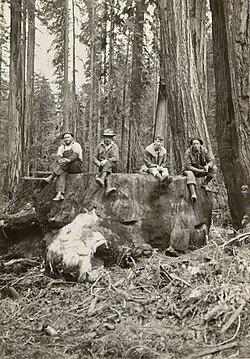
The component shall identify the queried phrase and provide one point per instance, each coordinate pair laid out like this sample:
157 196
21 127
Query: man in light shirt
155 161
106 156
69 160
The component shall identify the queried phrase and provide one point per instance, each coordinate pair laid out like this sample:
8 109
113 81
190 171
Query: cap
67 133
197 139
108 132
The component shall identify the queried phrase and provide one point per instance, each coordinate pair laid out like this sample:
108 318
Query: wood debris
192 306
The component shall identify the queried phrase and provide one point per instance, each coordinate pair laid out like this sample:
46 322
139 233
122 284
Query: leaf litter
195 305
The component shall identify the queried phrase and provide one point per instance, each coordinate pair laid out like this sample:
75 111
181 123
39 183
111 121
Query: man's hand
102 163
63 161
206 168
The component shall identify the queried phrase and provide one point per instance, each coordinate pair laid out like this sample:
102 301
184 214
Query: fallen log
142 211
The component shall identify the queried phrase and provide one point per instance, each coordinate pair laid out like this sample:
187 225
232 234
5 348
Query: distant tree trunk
28 115
23 57
15 97
104 42
1 44
124 96
92 86
197 12
136 86
110 71
74 110
231 65
66 68
180 101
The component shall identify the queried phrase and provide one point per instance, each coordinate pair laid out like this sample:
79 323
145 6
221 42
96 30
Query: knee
213 170
190 177
153 171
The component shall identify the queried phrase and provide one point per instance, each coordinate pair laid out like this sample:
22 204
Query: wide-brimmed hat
197 139
67 133
108 132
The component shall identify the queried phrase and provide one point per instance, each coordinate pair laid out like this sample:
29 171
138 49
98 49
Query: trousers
61 171
191 176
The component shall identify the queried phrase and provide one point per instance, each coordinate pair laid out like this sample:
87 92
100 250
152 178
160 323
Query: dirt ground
193 306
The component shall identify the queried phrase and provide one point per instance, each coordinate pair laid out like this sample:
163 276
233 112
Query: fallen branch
232 318
216 349
172 276
239 238
31 262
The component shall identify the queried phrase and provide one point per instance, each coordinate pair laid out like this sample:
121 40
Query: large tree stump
141 211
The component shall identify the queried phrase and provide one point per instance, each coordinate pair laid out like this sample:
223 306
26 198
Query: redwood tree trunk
231 66
180 103
92 86
66 68
28 115
74 102
15 97
136 86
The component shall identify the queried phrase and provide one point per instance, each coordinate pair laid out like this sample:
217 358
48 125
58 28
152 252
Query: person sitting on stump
198 163
69 160
106 156
155 161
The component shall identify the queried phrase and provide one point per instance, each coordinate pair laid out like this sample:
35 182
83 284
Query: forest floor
193 306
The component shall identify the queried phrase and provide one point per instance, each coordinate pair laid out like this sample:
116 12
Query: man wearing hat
198 163
155 161
106 156
69 160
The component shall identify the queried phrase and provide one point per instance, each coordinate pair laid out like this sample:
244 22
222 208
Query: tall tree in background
197 14
66 67
230 29
3 95
55 16
74 99
15 97
92 82
43 129
29 93
179 89
136 86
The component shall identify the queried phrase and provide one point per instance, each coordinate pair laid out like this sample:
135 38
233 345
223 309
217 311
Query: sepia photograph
124 179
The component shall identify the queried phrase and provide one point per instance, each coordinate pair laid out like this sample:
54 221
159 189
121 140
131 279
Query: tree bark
180 103
110 70
92 85
66 68
141 211
230 29
28 115
23 57
1 44
136 86
15 98
198 29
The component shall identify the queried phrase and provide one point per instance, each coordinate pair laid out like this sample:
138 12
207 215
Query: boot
192 192
50 178
100 180
166 180
110 190
59 196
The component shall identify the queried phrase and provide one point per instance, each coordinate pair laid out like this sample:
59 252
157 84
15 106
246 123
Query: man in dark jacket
198 163
106 156
155 161
69 160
